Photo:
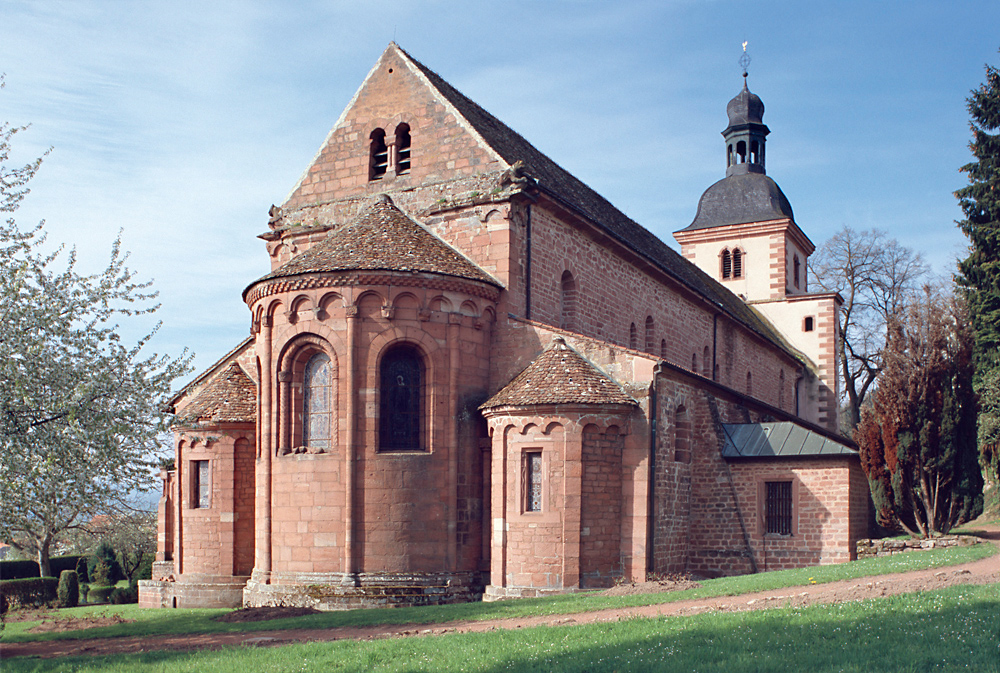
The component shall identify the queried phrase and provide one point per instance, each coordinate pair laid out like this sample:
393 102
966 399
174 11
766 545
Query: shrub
105 552
99 594
121 595
84 590
69 589
101 575
11 570
81 570
31 591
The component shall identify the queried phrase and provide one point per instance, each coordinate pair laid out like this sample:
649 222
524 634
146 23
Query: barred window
778 508
532 481
200 485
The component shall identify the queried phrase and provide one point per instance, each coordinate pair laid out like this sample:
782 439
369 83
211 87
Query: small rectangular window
533 481
809 324
200 484
778 508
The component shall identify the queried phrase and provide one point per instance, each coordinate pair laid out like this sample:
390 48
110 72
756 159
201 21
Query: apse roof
567 189
383 238
779 440
231 397
559 375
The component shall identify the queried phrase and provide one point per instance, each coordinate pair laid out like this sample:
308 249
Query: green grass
954 629
180 621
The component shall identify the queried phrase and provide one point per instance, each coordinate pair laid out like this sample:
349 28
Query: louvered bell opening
402 151
379 162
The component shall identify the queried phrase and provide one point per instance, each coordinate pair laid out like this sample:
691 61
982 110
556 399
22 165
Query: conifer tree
979 273
918 439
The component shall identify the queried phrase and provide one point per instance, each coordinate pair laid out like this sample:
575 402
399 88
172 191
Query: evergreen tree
918 439
979 273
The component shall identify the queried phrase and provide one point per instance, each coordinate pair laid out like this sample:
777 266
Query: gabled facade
469 374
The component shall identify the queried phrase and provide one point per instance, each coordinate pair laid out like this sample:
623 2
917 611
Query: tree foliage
80 410
979 273
918 437
877 277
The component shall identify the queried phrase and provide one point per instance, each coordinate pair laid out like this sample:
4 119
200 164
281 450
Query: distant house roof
561 185
779 440
231 397
559 375
383 238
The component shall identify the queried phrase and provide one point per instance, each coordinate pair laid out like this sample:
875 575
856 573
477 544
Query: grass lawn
180 621
954 629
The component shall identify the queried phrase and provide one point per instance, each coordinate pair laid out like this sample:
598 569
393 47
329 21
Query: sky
177 124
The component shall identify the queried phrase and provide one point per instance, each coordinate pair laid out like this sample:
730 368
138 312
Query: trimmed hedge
99 594
69 589
32 591
13 570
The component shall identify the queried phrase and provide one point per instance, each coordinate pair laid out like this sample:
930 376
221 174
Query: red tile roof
559 375
229 398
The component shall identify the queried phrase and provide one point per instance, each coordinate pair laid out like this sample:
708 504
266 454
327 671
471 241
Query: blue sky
180 123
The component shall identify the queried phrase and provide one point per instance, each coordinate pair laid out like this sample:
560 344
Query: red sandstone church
468 374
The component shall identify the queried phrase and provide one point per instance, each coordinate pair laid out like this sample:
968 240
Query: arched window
317 398
749 383
633 337
402 149
694 362
379 158
741 151
754 152
663 349
727 264
650 328
567 302
737 263
795 269
706 364
729 156
400 403
781 389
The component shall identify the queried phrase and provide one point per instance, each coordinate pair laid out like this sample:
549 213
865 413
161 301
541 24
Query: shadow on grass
952 629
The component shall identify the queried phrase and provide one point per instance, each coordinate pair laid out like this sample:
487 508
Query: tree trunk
44 567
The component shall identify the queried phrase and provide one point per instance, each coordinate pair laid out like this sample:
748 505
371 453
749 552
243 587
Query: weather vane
744 59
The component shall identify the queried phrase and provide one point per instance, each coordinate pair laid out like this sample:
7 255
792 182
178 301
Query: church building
469 375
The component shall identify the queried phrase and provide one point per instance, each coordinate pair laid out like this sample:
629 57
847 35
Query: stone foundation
889 547
495 593
171 594
340 591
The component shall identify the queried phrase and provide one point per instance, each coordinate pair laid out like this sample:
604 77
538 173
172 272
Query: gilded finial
744 59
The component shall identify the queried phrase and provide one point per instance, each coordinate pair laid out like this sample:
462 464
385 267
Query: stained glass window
399 405
317 394
200 484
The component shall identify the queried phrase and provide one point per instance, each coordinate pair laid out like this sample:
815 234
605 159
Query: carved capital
284 377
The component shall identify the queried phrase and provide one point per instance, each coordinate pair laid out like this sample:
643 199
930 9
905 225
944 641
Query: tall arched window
737 263
694 362
795 269
402 149
633 337
400 399
663 349
706 363
749 383
567 301
379 157
650 328
727 264
781 389
317 397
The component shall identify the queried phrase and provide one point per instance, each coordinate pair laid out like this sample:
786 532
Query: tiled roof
559 375
383 238
556 181
229 398
779 440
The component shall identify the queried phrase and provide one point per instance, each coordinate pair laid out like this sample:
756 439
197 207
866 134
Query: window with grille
778 508
727 264
379 159
402 149
200 484
533 481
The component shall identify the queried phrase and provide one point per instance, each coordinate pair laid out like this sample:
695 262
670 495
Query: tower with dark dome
745 236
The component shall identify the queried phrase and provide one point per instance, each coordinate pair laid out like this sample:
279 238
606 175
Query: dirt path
986 571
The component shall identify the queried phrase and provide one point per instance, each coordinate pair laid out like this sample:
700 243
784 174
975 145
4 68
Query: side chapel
469 375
